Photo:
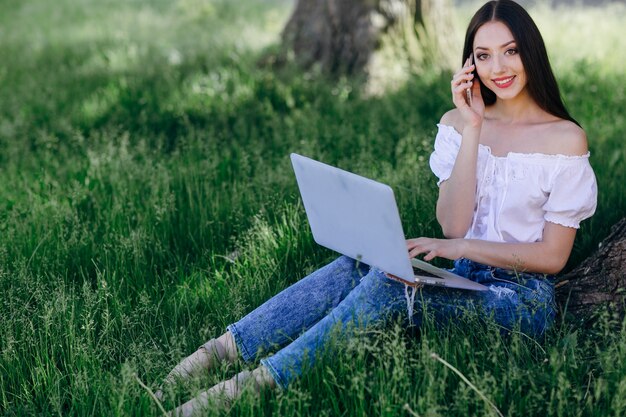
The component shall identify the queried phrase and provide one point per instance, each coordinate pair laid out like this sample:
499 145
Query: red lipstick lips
504 82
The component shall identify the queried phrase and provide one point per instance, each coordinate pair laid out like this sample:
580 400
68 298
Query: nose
498 64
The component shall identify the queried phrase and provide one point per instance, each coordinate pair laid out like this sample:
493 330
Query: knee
374 298
349 267
345 262
376 284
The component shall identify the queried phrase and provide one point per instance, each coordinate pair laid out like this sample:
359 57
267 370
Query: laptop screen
353 215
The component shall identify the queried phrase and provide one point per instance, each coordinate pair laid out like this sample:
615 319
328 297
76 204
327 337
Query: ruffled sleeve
574 193
447 144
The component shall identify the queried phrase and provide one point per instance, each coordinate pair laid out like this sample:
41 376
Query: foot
199 362
224 393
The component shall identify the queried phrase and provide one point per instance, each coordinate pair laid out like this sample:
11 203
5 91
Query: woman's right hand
463 79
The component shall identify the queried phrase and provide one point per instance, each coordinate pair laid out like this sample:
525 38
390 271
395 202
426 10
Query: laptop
359 218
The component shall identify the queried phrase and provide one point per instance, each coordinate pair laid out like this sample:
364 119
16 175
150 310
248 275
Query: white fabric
518 193
410 301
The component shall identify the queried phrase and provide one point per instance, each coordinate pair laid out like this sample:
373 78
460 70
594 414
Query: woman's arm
548 256
457 194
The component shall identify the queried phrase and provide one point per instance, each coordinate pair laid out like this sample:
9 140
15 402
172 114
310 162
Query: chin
508 93
507 96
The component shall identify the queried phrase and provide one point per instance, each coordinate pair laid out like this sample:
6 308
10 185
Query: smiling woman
497 61
516 125
514 184
523 50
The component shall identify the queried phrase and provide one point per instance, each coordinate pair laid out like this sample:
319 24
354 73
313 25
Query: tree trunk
377 38
599 281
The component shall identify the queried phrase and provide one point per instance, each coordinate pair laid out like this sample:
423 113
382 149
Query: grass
148 201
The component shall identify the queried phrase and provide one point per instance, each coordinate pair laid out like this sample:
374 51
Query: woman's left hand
443 248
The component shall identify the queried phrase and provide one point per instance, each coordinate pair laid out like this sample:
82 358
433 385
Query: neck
522 108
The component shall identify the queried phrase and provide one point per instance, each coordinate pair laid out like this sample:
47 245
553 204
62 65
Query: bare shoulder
566 138
453 118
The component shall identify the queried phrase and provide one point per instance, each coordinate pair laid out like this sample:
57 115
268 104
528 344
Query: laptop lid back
353 215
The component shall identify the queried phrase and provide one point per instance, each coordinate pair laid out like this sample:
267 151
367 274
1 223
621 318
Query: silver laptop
359 218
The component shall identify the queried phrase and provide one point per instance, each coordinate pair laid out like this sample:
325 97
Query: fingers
430 255
443 248
464 74
462 79
424 245
412 243
419 246
461 82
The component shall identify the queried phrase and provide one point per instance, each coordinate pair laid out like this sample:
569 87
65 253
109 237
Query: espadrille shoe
224 393
199 362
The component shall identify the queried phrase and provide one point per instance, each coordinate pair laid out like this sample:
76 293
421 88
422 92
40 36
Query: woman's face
497 59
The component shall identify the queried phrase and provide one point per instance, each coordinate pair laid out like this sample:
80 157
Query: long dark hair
541 84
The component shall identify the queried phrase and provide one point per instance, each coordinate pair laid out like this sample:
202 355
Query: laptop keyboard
422 273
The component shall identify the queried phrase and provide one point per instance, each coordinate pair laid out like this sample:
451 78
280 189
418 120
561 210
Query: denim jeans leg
521 301
374 302
377 300
283 317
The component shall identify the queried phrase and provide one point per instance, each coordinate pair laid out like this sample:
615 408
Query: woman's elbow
452 228
454 231
453 234
552 270
554 265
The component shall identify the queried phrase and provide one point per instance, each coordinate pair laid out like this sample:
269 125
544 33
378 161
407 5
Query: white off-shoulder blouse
516 194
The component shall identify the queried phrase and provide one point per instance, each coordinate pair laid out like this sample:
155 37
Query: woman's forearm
542 257
457 194
547 256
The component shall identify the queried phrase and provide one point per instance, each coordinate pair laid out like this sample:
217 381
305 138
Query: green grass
147 201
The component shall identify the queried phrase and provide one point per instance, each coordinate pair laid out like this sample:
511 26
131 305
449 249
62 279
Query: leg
297 306
377 299
276 321
520 300
374 302
283 317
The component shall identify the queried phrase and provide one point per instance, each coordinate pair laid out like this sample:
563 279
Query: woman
514 184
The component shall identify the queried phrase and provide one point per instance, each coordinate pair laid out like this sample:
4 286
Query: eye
511 51
482 57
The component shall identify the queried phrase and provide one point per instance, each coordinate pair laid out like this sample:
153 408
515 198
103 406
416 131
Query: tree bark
370 37
599 281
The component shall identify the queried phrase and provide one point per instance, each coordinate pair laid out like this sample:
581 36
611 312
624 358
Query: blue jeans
297 322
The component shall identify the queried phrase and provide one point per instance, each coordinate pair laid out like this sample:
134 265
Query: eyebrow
501 46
